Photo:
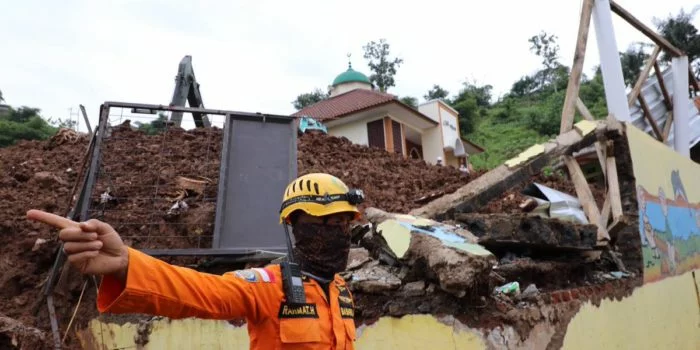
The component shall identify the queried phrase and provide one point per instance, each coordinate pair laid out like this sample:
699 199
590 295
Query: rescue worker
319 207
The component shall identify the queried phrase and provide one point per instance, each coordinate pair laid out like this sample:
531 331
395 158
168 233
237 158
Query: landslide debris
41 175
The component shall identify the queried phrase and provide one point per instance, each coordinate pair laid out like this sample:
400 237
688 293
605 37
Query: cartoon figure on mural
669 227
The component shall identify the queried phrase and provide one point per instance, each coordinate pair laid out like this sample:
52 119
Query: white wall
430 109
356 132
342 88
432 145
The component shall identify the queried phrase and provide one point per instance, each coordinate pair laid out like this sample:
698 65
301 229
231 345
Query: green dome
351 76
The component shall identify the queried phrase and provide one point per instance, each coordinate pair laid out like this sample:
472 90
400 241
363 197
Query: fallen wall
662 315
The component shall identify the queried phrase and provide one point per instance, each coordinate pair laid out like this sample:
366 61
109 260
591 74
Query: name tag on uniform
298 311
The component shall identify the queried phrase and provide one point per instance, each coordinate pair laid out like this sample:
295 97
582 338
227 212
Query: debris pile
42 175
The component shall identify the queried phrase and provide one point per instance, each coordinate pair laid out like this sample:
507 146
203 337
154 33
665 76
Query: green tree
546 47
23 123
681 33
156 126
410 100
632 62
383 67
1 98
436 93
309 98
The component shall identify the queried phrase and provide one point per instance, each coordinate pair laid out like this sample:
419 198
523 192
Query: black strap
315 199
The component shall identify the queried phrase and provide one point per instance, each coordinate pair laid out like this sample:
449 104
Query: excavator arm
187 90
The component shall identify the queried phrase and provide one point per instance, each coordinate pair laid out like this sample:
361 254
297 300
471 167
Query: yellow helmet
319 194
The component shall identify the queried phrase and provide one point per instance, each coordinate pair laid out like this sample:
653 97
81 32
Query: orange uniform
157 288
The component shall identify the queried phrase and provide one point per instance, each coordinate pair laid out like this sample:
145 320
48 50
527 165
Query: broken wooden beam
650 33
572 89
667 125
660 78
613 186
649 117
585 196
494 183
643 76
581 107
506 231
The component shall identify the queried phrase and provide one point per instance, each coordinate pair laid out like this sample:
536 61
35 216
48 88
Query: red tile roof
346 103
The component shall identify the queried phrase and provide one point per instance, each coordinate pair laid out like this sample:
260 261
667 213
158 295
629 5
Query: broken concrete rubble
433 250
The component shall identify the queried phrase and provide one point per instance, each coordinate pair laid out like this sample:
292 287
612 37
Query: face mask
321 250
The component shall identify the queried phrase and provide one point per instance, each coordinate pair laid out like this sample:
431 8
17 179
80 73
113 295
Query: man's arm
157 288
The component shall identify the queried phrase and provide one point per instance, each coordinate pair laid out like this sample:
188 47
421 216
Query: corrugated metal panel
655 99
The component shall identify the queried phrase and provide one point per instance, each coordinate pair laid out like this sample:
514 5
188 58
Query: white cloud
257 56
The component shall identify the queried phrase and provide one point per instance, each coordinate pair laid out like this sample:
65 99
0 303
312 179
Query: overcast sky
258 56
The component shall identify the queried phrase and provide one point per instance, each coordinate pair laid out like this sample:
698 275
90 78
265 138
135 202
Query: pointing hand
93 247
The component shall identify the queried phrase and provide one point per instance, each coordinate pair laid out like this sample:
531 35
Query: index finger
50 219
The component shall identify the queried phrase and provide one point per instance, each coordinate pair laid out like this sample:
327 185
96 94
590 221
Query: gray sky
258 56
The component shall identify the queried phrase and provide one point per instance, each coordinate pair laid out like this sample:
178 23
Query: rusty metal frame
242 253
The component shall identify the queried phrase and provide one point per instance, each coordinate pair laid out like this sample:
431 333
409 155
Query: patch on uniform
266 275
347 310
298 311
248 275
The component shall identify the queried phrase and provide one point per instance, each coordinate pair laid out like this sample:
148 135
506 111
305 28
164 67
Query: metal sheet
655 99
258 161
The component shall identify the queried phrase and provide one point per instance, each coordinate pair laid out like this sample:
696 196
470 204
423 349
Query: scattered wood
572 89
585 196
662 84
643 76
589 116
655 37
499 231
493 184
667 125
613 186
649 117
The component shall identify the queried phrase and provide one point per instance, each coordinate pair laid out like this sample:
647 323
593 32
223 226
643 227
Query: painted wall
668 193
448 124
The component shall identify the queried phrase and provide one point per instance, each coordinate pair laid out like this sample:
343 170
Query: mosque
366 116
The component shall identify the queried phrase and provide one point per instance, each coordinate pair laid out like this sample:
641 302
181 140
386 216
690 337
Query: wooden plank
581 107
605 212
667 126
667 98
654 36
650 119
585 196
613 186
491 185
567 113
643 76
583 191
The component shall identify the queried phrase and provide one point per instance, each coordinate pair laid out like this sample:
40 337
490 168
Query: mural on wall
668 193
